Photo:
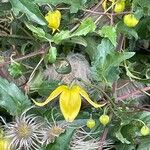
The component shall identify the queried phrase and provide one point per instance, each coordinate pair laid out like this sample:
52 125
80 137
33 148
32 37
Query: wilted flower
24 132
53 18
70 100
83 140
51 132
80 68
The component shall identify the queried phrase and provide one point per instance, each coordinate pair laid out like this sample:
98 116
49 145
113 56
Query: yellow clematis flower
70 100
4 144
53 18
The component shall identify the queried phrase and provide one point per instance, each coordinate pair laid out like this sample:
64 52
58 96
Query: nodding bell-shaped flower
70 100
53 18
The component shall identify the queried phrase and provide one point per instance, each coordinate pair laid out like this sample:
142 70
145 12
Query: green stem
105 110
140 121
103 92
16 37
32 74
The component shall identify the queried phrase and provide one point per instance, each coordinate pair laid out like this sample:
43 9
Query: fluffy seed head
83 140
51 132
24 132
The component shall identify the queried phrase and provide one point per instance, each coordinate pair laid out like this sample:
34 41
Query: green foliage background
94 35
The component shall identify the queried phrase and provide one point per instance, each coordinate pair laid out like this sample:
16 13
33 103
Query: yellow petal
47 16
58 14
53 19
86 96
53 95
104 4
70 103
4 144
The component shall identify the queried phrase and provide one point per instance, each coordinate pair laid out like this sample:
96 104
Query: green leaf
144 143
65 36
12 98
143 28
122 28
143 3
38 31
16 69
75 5
52 55
5 6
59 37
103 50
110 33
87 26
142 7
121 138
105 66
30 9
47 87
91 49
77 40
124 147
145 116
36 81
38 84
62 142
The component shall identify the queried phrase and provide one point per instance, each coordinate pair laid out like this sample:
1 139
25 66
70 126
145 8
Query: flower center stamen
24 130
